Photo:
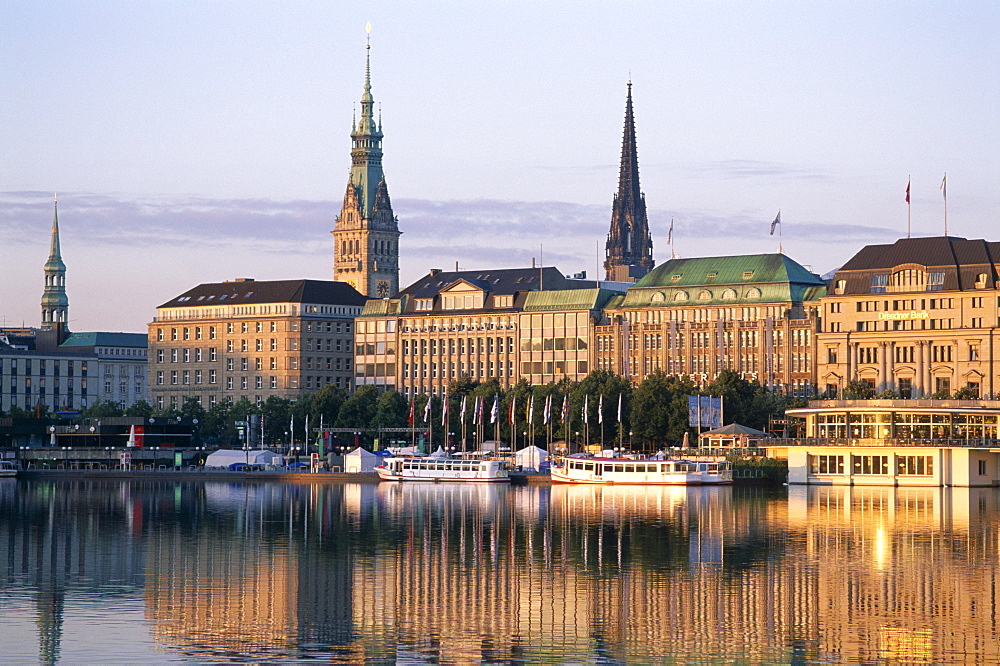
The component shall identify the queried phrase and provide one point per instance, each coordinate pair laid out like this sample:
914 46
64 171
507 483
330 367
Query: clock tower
366 233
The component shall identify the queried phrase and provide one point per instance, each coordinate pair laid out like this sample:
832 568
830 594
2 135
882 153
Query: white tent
531 457
440 453
360 460
226 457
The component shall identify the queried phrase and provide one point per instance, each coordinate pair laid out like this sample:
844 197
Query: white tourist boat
641 472
431 468
7 468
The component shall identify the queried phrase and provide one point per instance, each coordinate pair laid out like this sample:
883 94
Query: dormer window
675 277
747 275
712 275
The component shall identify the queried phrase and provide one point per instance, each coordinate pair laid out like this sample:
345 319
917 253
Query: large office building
250 339
918 317
366 234
508 324
120 364
755 314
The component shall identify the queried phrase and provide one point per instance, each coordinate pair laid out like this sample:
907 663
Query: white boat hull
443 470
631 472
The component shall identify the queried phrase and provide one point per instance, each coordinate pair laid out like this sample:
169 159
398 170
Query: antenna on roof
541 262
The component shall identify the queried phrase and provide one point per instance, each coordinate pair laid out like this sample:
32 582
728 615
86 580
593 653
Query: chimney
434 271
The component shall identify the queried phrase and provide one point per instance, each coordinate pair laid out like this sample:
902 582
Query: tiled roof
935 251
247 292
501 281
567 299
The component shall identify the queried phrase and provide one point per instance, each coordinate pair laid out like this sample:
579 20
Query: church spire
629 249
55 303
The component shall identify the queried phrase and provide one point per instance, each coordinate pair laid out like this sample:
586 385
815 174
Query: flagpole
944 192
908 179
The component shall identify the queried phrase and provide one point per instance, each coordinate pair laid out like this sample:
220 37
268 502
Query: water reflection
451 572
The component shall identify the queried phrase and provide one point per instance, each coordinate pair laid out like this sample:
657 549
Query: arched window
681 296
729 295
753 293
658 297
704 295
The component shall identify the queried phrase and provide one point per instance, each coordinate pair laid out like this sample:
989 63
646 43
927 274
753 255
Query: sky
201 141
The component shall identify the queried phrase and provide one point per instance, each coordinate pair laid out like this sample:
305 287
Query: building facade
755 314
508 324
250 339
52 380
120 364
918 317
366 233
629 249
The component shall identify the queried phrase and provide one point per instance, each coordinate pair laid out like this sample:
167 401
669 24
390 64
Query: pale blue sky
202 141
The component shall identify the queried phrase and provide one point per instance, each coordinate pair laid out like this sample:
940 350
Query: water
160 571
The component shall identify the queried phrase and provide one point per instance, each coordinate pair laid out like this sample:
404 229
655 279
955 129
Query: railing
979 442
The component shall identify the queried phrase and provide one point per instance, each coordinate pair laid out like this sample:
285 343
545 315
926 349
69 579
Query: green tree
660 409
967 393
358 411
277 415
738 396
858 390
140 409
391 411
103 409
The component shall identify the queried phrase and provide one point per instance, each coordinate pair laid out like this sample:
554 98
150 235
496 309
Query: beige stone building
250 339
917 317
756 314
509 324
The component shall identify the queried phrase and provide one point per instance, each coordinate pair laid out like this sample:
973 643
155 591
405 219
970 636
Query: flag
427 410
777 221
586 408
565 409
907 191
670 234
547 414
600 409
479 410
462 414
496 408
619 408
444 410
409 421
513 410
944 186
291 428
531 411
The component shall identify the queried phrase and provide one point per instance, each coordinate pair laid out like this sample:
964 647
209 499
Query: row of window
871 465
27 366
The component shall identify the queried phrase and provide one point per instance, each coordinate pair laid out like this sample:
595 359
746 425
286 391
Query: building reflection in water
453 573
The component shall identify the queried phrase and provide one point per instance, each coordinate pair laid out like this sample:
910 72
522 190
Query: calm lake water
158 571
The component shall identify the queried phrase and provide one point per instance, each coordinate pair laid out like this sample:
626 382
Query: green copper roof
105 339
381 307
737 280
567 299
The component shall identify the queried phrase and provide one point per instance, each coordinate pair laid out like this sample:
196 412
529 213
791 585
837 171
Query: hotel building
249 339
755 314
509 324
916 317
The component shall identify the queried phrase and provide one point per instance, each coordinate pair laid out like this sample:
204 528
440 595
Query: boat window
589 467
619 468
641 469
630 469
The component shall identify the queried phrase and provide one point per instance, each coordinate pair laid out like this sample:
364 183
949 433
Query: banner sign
704 411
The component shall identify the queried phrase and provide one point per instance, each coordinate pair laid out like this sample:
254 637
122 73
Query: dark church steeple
366 234
629 250
55 303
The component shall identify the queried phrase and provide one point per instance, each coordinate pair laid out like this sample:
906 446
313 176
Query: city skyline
201 143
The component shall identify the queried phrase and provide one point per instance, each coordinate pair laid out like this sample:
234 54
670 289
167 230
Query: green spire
366 152
55 303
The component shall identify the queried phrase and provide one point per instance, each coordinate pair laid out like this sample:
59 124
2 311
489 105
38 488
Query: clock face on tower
382 289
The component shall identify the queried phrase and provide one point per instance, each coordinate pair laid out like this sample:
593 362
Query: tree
358 411
277 414
659 408
738 396
858 390
103 409
140 409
